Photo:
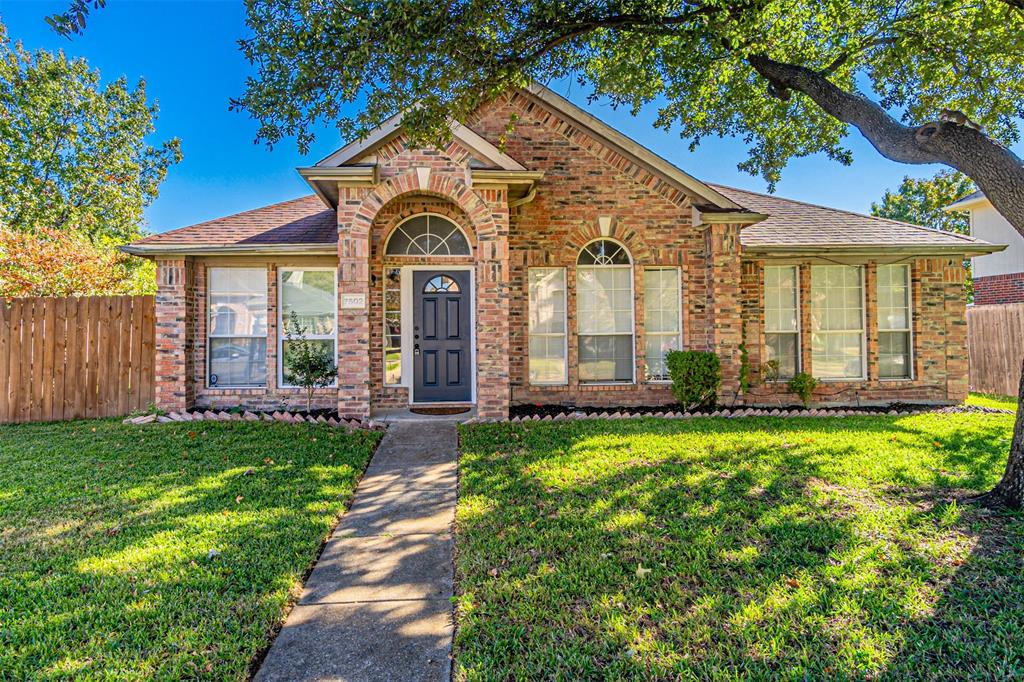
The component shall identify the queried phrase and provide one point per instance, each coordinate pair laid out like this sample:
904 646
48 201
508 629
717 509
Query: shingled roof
302 221
798 226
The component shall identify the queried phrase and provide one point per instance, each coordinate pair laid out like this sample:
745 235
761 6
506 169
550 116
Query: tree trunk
1010 490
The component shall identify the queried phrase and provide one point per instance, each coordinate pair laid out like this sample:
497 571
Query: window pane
428 235
661 301
783 348
326 346
238 362
307 300
547 359
603 252
238 302
893 297
604 300
546 325
837 321
657 348
780 299
393 326
546 300
606 358
894 355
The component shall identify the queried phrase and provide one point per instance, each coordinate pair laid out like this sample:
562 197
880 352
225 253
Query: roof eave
966 204
168 250
924 250
325 181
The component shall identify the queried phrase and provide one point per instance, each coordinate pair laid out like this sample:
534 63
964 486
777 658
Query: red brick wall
999 289
939 331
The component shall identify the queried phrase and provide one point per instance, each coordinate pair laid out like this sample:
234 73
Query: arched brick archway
487 213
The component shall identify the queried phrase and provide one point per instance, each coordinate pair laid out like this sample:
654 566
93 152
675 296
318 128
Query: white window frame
564 334
281 269
211 335
679 321
428 215
909 331
632 310
863 328
798 366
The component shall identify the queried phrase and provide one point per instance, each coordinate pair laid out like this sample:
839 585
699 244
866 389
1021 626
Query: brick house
559 268
998 277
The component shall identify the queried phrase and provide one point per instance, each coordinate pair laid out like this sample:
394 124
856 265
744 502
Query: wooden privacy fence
995 344
75 357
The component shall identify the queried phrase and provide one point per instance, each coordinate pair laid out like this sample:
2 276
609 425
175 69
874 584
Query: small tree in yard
310 365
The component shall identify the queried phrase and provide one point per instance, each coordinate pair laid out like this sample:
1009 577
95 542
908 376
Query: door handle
416 349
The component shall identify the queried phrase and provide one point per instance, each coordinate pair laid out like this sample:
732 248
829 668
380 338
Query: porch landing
377 604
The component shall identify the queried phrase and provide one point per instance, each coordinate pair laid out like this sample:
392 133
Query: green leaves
316 63
73 155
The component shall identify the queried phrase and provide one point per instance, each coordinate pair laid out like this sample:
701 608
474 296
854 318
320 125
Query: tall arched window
427 235
604 311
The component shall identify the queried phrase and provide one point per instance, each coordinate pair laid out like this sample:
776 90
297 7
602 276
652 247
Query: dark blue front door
441 337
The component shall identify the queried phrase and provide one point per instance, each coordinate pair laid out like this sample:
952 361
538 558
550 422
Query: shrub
696 376
803 385
309 363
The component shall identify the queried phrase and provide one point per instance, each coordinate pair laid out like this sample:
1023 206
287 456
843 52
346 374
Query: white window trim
210 335
910 322
564 334
429 214
384 326
863 334
799 320
281 269
679 333
632 310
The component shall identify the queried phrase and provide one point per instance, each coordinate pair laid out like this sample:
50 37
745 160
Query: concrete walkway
377 605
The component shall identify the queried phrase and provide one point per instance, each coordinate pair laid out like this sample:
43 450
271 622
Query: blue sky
188 55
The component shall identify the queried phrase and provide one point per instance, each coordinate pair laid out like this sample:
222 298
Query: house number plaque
353 301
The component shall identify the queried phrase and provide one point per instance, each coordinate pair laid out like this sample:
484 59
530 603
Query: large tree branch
997 170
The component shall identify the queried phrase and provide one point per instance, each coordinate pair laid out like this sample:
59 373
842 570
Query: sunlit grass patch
1005 402
724 549
159 552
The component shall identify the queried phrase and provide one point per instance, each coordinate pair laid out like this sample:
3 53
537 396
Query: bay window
236 349
604 313
662 319
782 318
894 342
546 326
308 309
837 321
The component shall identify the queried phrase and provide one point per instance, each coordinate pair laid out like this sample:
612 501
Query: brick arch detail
438 185
638 249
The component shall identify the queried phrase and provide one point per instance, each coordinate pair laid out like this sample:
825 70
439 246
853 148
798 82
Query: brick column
493 284
725 322
871 319
804 279
752 293
955 303
175 390
353 323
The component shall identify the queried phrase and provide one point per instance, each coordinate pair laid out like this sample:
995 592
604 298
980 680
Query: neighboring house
998 277
558 269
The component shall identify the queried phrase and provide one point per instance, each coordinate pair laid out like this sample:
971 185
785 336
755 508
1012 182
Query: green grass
737 549
1005 402
106 531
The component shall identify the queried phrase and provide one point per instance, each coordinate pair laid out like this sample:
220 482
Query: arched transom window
427 235
604 310
442 284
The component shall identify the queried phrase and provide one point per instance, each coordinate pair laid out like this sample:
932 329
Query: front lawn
1005 402
160 552
721 549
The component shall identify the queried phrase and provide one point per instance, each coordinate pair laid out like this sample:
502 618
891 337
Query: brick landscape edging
284 417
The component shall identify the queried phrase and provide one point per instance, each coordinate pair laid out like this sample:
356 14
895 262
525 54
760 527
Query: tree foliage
73 153
921 201
50 262
696 59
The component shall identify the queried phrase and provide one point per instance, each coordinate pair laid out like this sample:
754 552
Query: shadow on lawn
109 572
763 560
